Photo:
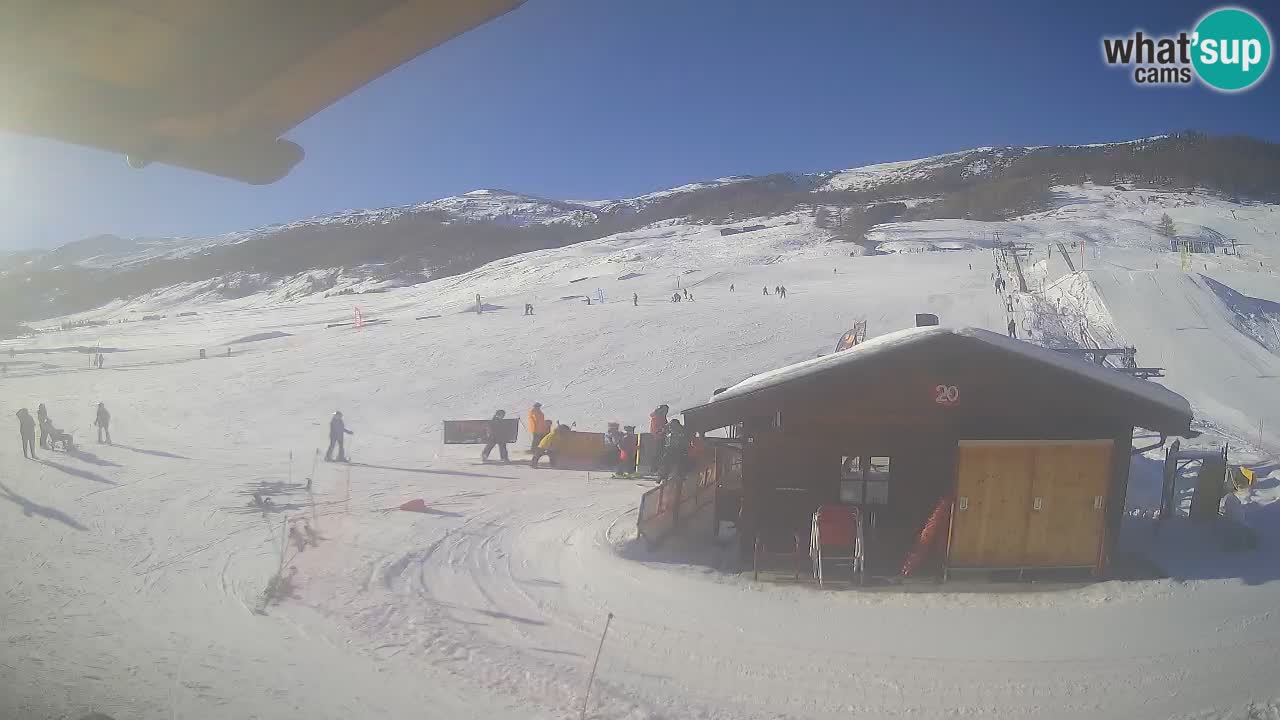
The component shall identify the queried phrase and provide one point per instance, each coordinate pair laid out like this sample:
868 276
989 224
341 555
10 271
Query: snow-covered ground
132 574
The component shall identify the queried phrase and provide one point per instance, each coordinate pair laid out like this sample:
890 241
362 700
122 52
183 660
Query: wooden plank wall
1001 525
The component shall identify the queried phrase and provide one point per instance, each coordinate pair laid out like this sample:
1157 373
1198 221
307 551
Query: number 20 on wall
946 394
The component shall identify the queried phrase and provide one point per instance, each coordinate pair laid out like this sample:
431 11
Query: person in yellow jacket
549 445
538 425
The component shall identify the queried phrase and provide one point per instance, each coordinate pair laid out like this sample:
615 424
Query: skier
658 429
42 419
635 299
627 451
766 290
690 296
103 420
492 435
536 421
730 287
528 308
612 436
337 428
1013 328
686 293
549 445
782 291
27 429
675 297
675 453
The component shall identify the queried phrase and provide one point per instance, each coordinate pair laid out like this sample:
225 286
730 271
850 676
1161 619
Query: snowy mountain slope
1177 322
505 206
484 205
678 250
492 603
861 178
970 163
522 210
362 250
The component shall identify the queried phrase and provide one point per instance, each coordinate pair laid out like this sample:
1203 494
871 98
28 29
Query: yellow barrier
1242 477
582 450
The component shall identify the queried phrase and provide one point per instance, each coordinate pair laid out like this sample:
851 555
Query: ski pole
587 695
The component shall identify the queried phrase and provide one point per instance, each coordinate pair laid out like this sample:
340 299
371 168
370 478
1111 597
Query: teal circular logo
1232 49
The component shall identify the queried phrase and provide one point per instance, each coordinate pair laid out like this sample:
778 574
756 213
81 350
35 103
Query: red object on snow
415 505
835 532
933 534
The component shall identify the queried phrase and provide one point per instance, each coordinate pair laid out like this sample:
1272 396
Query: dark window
864 480
852 484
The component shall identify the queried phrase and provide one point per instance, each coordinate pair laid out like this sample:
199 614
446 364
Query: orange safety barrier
933 535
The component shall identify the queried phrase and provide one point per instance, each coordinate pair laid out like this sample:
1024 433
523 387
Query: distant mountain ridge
412 243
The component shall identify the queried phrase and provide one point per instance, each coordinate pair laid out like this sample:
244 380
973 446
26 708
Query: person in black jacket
337 428
493 437
675 452
103 420
27 428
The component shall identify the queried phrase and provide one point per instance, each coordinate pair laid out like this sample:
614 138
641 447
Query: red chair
838 529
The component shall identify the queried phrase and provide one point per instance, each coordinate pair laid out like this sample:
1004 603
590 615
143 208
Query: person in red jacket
658 431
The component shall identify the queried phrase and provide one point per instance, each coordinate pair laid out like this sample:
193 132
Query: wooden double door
1027 504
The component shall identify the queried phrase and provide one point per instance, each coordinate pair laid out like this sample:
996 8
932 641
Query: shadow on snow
30 508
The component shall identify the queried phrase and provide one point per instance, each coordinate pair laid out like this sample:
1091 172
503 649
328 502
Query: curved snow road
502 591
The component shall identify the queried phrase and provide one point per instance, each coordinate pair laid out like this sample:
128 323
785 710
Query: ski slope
1177 322
131 575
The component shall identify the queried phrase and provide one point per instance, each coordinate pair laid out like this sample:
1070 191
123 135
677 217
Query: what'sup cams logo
1229 50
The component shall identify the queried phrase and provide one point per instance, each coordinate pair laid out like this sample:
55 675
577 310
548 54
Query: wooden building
1029 447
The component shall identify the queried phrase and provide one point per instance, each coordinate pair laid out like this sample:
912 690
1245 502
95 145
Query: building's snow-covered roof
1149 392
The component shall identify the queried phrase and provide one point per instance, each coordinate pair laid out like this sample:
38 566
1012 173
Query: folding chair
837 529
780 534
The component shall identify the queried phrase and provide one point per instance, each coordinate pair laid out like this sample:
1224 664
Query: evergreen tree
1165 227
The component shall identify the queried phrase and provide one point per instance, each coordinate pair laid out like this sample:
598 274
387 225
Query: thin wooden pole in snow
587 695
284 541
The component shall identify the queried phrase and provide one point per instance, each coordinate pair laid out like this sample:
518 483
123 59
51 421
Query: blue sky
608 98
